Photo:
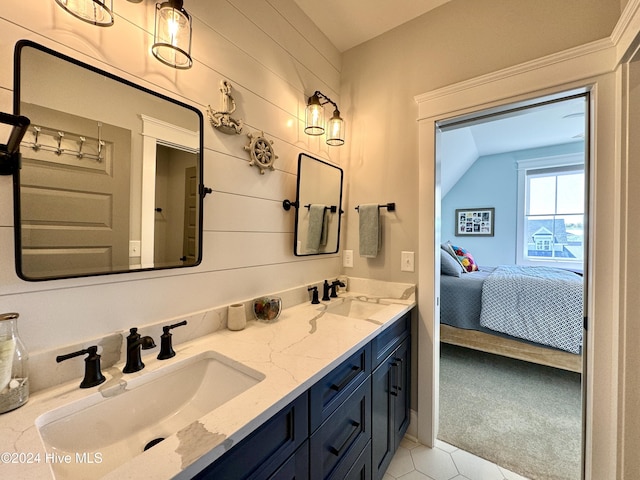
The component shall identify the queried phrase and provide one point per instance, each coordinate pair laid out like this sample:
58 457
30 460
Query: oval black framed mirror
319 207
111 172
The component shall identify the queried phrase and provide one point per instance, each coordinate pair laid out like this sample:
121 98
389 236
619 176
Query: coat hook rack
58 139
391 207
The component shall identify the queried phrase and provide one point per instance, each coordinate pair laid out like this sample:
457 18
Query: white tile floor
413 461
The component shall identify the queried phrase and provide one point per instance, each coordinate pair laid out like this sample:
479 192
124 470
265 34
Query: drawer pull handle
338 451
346 380
400 376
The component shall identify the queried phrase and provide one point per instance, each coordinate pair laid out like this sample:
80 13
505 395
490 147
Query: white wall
274 58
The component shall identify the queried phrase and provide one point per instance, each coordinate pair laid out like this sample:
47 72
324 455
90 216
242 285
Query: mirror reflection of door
96 216
74 208
176 199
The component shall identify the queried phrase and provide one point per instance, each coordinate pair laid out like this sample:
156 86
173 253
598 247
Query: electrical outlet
407 262
134 248
347 258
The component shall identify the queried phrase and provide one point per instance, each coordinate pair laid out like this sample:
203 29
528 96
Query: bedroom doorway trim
591 68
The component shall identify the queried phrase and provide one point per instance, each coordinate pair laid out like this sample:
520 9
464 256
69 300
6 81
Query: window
551 227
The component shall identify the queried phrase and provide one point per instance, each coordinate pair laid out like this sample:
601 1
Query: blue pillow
449 266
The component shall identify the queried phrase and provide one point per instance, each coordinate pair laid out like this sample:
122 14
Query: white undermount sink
118 423
354 308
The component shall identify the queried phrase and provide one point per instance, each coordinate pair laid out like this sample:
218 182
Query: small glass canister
14 369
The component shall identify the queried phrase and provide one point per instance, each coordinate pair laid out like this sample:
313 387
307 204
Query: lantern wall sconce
96 12
314 119
172 34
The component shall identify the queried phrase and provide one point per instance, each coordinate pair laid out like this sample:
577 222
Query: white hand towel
369 222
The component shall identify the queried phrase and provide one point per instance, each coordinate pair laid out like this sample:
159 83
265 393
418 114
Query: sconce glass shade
314 116
172 37
335 130
96 12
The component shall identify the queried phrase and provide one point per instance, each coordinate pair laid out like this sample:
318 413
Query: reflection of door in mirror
74 207
86 222
175 202
168 151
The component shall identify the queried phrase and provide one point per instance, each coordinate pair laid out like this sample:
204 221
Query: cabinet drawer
387 341
296 467
327 395
260 454
358 470
342 437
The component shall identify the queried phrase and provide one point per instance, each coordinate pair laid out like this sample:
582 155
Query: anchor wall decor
221 119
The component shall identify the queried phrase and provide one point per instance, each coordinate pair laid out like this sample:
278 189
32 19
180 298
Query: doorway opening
514 208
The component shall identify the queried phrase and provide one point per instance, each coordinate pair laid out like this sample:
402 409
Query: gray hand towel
316 226
369 221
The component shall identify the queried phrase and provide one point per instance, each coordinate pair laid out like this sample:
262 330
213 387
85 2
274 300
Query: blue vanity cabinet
390 386
347 426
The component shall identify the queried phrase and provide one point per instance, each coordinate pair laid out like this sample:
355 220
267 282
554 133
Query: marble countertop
292 353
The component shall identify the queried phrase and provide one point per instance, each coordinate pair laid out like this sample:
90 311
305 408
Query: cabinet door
402 388
391 396
382 417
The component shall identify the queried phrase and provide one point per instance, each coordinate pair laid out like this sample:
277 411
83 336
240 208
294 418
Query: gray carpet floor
521 416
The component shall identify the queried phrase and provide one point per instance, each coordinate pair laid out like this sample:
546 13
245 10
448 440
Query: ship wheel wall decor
261 151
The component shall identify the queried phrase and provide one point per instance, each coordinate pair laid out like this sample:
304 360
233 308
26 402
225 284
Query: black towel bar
391 207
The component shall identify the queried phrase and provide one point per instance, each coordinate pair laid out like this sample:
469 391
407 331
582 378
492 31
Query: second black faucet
136 342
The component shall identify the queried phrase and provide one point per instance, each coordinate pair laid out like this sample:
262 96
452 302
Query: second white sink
354 308
118 423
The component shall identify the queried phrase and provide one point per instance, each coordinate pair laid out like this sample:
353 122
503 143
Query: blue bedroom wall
492 181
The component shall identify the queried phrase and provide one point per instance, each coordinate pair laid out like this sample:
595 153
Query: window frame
524 166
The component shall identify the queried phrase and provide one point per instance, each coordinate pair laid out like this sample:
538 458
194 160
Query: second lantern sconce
314 119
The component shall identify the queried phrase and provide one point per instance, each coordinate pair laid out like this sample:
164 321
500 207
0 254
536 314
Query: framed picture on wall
474 222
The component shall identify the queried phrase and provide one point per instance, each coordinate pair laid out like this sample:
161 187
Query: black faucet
134 345
166 349
314 300
92 374
325 291
334 288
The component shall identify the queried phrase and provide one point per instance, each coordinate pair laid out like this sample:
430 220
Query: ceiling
348 23
538 126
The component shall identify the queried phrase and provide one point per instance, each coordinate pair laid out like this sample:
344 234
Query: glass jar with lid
14 369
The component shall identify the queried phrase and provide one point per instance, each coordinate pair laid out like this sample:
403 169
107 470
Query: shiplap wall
275 58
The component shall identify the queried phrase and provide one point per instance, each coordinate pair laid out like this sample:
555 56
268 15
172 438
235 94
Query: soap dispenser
14 369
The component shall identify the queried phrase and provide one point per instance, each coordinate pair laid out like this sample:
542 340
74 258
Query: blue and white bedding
533 306
540 304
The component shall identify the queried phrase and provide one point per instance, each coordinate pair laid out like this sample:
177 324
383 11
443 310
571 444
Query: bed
529 313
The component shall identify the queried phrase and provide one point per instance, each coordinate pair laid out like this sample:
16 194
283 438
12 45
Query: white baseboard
412 430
